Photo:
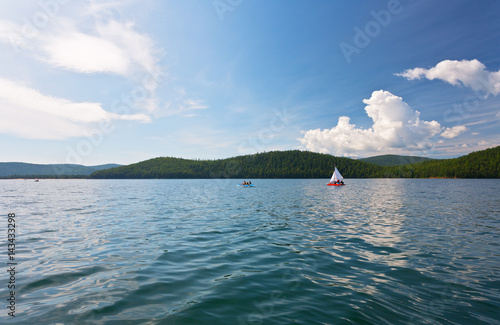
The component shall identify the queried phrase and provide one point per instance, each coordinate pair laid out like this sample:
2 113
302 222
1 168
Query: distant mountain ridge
274 164
305 164
394 160
26 170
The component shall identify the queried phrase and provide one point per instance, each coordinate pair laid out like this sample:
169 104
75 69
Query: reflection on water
372 211
375 251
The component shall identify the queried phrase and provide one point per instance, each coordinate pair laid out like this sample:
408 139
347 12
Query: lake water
377 251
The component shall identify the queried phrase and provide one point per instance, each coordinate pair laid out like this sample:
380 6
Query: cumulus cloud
28 113
468 73
395 125
454 132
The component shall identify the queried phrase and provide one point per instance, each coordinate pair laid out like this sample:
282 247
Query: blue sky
93 82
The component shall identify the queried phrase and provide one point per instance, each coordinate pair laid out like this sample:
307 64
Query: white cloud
90 44
395 125
114 48
30 114
83 53
9 33
98 7
469 73
454 132
190 104
180 104
139 47
91 33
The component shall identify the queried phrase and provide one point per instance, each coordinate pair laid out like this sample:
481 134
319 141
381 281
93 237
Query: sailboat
336 179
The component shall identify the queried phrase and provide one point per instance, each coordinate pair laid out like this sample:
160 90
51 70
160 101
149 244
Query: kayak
330 184
251 185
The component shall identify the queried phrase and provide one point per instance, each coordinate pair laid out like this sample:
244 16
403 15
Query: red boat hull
330 184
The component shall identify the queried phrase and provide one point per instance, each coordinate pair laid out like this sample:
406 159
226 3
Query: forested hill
479 164
275 164
304 164
394 160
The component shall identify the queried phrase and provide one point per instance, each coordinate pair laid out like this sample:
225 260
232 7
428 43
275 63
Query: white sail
336 176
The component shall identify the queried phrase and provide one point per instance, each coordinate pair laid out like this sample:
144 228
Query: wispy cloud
471 74
182 105
10 34
28 113
395 126
73 50
93 43
112 47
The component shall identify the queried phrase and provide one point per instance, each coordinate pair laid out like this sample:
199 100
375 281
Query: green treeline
480 164
276 164
394 160
304 164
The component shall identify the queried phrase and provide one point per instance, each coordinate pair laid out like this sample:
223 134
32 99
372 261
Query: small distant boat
37 180
246 184
337 179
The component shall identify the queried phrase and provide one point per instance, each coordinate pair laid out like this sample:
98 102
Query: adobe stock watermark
293 278
39 20
224 6
277 123
446 301
363 36
122 106
470 104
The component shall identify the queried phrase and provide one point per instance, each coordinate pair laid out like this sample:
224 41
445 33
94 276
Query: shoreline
326 178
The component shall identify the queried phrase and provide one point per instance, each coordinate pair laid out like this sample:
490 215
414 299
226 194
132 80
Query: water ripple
286 251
